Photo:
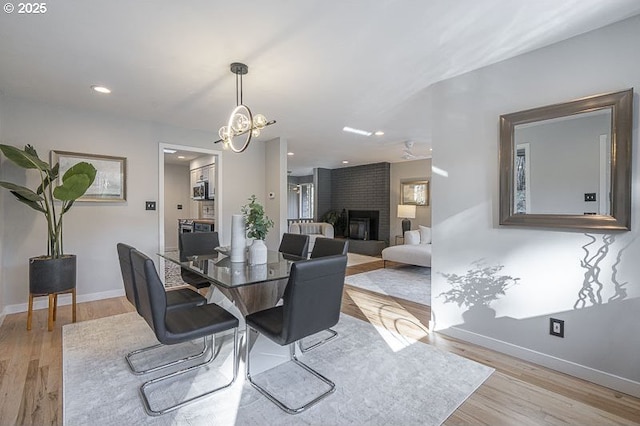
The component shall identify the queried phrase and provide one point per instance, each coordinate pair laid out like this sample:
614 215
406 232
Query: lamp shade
406 211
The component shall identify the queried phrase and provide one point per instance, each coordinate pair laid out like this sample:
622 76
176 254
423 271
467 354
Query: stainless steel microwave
201 190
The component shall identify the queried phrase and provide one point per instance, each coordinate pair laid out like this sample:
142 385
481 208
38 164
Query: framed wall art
110 184
415 193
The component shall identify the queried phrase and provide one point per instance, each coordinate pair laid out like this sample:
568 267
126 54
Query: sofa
416 249
313 230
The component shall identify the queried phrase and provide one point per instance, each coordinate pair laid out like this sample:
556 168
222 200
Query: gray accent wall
322 181
363 188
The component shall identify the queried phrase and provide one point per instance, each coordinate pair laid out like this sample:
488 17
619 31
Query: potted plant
337 219
54 272
257 225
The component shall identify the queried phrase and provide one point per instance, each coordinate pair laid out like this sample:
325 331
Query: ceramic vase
257 253
238 241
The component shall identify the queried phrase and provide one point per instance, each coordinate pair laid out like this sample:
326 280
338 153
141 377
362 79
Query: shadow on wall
477 289
592 286
603 327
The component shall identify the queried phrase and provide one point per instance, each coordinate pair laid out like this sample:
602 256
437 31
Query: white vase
238 241
257 253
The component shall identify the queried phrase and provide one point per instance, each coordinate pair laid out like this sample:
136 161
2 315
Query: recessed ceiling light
345 162
169 151
101 89
181 157
289 154
379 133
356 131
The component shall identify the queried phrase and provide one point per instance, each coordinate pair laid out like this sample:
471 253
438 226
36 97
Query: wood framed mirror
568 165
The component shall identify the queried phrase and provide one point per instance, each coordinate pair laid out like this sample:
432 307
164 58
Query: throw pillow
412 237
425 234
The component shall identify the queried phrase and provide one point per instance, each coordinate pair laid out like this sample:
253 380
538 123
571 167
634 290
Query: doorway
167 155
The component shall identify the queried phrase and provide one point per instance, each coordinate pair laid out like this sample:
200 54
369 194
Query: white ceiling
314 66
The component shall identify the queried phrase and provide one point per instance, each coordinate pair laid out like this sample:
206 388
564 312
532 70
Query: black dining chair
295 245
329 247
174 326
312 302
176 299
196 244
322 248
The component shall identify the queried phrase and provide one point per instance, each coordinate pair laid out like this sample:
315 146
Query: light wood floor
518 393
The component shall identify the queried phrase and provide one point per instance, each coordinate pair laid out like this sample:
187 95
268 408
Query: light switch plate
150 205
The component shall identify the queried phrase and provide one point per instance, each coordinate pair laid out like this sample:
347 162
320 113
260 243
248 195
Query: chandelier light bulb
240 123
223 133
255 132
259 121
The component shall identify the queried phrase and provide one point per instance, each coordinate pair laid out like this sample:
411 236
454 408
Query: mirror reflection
563 165
568 165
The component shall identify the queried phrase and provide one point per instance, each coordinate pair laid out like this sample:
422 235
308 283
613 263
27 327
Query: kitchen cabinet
212 181
199 174
208 174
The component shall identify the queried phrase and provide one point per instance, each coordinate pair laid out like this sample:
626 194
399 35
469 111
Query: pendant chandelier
242 123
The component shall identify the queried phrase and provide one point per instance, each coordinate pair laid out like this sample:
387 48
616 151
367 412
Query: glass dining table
251 288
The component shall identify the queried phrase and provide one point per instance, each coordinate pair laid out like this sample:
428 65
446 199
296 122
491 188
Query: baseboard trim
602 378
64 299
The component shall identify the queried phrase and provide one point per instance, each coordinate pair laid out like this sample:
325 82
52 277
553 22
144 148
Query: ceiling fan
407 153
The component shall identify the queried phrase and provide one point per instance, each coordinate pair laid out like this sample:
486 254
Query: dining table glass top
219 269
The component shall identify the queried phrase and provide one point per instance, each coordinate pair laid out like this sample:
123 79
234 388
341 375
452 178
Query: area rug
406 282
418 385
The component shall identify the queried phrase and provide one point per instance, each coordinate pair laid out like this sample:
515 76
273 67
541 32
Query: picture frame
415 192
110 184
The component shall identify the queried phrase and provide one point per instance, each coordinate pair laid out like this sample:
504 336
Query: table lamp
406 212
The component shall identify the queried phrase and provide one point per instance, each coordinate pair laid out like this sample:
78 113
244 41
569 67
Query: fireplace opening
363 224
359 229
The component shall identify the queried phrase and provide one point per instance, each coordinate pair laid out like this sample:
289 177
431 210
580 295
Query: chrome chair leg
272 398
143 388
138 372
333 333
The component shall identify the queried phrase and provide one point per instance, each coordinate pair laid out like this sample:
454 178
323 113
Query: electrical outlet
590 196
179 206
556 327
149 205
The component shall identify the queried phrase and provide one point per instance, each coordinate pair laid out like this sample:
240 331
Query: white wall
93 229
601 340
276 183
406 171
177 190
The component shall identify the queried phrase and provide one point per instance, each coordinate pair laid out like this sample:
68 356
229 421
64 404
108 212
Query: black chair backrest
124 257
152 300
197 243
313 296
329 247
295 244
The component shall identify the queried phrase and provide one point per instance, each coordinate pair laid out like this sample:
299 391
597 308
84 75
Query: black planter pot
48 275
